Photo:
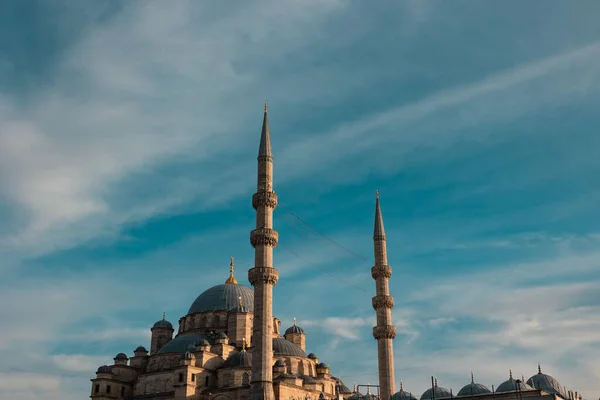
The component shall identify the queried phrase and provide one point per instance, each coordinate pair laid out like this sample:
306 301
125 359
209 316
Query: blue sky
128 140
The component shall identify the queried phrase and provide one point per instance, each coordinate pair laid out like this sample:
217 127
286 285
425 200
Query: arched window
206 381
245 379
216 321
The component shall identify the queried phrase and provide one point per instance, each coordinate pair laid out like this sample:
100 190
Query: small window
107 388
193 377
180 377
97 388
122 391
206 381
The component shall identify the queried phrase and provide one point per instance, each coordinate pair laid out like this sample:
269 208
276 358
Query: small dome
121 356
322 365
241 359
203 342
512 385
294 329
163 323
105 369
440 393
279 363
140 349
307 379
402 394
343 389
312 356
222 335
473 389
546 383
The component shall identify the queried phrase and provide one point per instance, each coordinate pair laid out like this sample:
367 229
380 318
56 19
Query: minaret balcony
381 271
264 199
383 301
384 332
264 237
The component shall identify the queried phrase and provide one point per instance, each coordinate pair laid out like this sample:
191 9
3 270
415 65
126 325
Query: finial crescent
164 315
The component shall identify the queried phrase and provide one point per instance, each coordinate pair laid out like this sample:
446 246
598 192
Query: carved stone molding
264 236
262 199
267 275
384 332
379 271
383 301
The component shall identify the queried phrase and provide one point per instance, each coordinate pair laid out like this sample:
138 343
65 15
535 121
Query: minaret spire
263 276
378 230
383 303
264 150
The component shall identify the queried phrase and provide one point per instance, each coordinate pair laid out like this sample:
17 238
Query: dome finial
231 279
294 321
243 344
164 315
472 378
510 373
435 384
401 386
539 368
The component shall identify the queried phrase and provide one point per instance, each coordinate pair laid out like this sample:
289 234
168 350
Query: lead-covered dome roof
241 359
282 347
440 393
473 389
546 383
223 297
512 385
182 343
402 394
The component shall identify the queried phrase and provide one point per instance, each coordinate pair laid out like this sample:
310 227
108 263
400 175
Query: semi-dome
294 329
241 359
181 343
473 388
512 385
402 394
440 393
282 347
546 383
223 297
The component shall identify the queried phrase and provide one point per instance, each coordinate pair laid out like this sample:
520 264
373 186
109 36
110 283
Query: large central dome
223 297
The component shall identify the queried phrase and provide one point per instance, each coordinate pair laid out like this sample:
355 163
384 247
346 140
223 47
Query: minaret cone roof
265 138
378 231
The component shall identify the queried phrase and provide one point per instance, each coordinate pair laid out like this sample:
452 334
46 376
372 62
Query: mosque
229 346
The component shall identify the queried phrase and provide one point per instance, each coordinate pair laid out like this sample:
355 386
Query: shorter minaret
383 303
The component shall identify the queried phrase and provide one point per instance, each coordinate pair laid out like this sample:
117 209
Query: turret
296 335
162 333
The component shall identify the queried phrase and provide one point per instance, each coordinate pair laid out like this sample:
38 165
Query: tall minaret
263 276
383 303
